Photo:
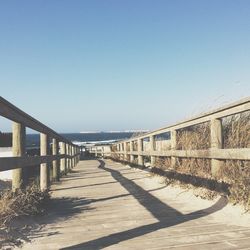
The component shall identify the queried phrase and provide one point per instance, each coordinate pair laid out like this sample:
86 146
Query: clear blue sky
133 64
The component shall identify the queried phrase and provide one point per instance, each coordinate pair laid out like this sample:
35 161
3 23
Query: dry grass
237 174
194 166
236 131
240 192
29 201
194 137
236 134
163 162
188 174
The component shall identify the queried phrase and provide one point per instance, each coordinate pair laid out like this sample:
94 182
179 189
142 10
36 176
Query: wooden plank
224 154
13 113
18 149
113 206
9 163
234 108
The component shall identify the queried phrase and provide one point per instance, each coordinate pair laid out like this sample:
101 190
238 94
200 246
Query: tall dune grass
236 134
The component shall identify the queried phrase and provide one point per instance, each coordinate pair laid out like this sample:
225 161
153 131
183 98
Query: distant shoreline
33 140
114 131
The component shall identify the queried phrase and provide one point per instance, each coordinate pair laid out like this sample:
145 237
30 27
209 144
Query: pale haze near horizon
113 65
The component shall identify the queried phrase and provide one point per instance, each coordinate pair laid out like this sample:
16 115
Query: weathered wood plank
9 163
234 108
224 154
115 207
13 113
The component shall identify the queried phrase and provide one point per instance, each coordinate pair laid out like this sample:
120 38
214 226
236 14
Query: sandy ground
230 214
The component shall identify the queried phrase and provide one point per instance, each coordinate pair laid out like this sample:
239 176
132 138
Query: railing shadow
26 228
165 214
196 181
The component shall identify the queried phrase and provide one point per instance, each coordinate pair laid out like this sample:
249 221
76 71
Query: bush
30 201
236 134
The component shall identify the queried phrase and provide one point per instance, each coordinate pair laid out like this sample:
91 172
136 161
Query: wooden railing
62 161
216 152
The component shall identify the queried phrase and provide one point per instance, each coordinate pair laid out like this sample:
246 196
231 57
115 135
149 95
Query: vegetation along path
107 205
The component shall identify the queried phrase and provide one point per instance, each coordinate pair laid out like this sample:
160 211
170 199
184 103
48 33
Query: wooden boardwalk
107 205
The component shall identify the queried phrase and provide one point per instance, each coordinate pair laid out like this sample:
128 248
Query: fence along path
65 155
126 150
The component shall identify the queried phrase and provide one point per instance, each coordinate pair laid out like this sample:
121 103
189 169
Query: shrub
29 201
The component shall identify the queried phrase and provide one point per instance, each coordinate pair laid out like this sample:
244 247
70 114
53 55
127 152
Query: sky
114 65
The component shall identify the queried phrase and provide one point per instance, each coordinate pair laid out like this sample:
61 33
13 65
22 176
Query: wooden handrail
227 110
68 158
216 152
11 112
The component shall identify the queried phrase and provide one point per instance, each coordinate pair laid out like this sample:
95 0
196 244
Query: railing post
140 149
96 154
69 153
173 134
125 156
68 157
216 143
75 155
55 151
72 156
50 164
78 154
152 148
18 149
102 152
132 157
44 145
63 160
121 152
74 152
119 149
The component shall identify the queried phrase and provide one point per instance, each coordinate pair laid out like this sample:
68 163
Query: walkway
106 205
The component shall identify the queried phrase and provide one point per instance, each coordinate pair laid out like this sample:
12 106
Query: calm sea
33 140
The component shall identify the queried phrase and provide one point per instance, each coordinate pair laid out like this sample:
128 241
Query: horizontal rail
69 157
222 154
129 151
234 108
9 163
13 113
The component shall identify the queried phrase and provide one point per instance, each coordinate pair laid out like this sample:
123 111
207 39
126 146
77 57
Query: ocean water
33 140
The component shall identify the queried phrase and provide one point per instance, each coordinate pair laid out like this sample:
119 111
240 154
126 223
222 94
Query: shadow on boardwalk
26 228
166 215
